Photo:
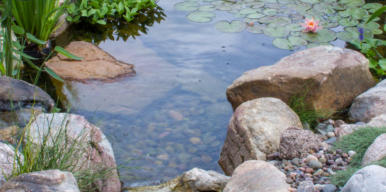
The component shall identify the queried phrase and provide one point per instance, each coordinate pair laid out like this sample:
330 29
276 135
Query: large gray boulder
259 176
369 104
329 77
371 178
254 131
16 94
95 150
376 151
42 181
295 142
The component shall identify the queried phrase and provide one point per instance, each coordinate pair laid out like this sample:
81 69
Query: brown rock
256 175
254 131
295 142
330 77
8 133
95 65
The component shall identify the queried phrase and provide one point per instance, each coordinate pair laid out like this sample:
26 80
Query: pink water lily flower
311 25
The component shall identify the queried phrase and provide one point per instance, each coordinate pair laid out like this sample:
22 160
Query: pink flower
311 25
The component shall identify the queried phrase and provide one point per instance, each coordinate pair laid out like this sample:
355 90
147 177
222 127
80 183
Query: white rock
376 151
368 179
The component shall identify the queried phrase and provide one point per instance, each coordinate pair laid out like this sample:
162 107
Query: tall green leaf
64 52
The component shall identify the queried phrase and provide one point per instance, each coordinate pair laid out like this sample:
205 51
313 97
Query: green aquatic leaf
321 36
207 8
282 43
270 12
67 54
256 28
310 1
201 16
352 3
230 27
372 7
297 41
276 31
247 11
347 22
187 6
255 16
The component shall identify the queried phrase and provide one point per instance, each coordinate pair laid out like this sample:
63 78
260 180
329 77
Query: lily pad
230 27
282 43
348 22
372 7
207 8
257 5
255 16
201 16
297 41
186 6
247 11
270 12
321 36
256 28
352 3
276 31
310 1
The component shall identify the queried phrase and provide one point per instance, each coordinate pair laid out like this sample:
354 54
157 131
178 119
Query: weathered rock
254 131
371 178
194 180
256 175
43 181
376 122
306 186
329 77
95 65
369 104
96 151
201 180
295 142
8 134
7 157
376 151
16 94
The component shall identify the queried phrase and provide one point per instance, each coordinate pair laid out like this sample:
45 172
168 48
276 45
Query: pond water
173 115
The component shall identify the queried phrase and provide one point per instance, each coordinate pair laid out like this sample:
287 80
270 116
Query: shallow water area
173 115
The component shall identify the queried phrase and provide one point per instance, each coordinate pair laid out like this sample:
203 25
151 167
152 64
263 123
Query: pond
173 115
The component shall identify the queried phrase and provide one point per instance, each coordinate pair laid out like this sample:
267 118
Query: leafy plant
37 17
101 11
357 141
370 46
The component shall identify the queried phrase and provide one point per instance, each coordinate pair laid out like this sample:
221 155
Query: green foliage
101 11
37 17
358 141
305 112
57 151
370 46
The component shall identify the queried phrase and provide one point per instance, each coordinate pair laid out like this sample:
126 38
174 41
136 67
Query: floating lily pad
312 45
347 22
223 8
372 7
257 5
269 1
256 28
297 41
282 43
230 27
255 16
247 11
322 36
294 27
207 8
276 31
310 1
186 6
352 3
201 16
270 12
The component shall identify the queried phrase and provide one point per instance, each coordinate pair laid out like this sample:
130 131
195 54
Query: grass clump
57 150
358 141
305 112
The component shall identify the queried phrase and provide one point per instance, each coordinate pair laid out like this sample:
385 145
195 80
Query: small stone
163 157
306 186
296 161
315 164
195 140
309 170
330 171
339 161
319 172
329 188
289 180
323 159
351 153
309 158
330 134
176 115
330 140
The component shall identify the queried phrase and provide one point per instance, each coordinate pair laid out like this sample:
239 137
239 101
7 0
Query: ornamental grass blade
64 52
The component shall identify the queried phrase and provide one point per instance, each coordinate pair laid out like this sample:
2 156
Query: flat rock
376 151
43 181
376 122
369 104
297 143
16 94
97 152
329 78
254 131
370 178
95 65
256 175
